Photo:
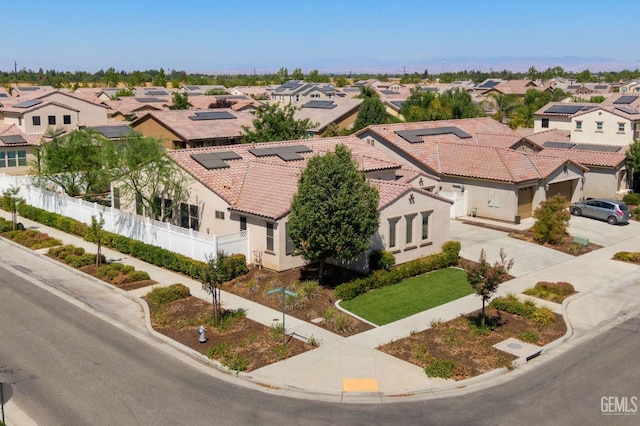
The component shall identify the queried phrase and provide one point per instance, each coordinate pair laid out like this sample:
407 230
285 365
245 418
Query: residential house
296 91
194 128
17 149
29 91
473 158
342 112
616 121
250 187
199 90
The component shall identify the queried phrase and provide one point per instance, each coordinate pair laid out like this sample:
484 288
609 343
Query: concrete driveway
600 232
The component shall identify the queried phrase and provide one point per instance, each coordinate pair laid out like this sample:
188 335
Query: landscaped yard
411 296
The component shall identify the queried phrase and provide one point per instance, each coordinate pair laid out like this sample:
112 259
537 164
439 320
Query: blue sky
347 35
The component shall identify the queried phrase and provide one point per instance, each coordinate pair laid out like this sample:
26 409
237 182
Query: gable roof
14 130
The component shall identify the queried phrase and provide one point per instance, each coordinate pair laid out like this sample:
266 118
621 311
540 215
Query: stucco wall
609 135
90 114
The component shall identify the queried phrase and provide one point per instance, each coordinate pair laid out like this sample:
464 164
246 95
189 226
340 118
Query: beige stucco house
251 186
475 156
17 149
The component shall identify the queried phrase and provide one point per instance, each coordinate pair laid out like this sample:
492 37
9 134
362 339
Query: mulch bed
92 270
250 343
458 340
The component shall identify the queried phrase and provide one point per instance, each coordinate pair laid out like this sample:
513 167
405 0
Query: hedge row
146 252
527 309
382 278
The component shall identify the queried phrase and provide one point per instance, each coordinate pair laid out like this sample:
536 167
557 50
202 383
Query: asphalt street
65 366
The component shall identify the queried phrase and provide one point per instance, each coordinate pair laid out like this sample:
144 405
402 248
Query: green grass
411 296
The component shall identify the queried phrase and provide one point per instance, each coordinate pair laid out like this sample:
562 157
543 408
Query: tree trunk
482 320
320 270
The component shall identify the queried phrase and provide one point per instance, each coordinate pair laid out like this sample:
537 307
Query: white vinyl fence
187 242
460 203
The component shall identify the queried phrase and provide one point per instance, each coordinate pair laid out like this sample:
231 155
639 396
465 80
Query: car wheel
612 220
576 211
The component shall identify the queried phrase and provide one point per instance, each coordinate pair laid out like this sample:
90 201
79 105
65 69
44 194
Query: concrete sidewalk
351 369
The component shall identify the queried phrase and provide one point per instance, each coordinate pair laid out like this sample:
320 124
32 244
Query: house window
139 205
578 125
163 208
189 217
243 223
3 162
219 215
11 159
22 158
52 120
425 226
545 123
116 197
289 243
35 120
409 229
393 224
270 236
599 126
620 127
66 119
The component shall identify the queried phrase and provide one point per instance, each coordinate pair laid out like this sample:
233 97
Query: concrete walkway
351 369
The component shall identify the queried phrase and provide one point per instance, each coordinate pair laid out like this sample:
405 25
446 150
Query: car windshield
624 207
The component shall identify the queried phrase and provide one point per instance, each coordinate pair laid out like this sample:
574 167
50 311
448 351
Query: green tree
180 101
584 76
331 130
633 163
10 201
368 92
160 79
212 277
504 105
95 233
371 111
122 93
552 220
136 79
273 123
340 81
282 76
485 278
111 78
335 211
145 174
297 74
73 162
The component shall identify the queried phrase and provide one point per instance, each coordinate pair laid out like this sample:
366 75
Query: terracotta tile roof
265 185
553 135
497 139
516 87
587 158
180 123
13 130
12 108
542 110
324 116
128 105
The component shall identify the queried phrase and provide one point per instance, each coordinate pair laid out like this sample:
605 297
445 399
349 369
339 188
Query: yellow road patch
359 385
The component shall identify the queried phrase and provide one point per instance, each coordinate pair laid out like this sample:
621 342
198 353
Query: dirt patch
257 282
469 346
242 345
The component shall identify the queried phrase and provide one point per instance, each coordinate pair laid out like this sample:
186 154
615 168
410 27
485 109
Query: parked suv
612 211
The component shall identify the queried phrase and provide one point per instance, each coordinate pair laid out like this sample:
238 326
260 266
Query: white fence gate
187 242
460 203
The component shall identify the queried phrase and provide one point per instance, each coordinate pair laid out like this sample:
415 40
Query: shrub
381 259
552 220
229 318
528 309
164 295
138 276
631 199
78 261
543 316
560 288
308 289
529 336
626 256
440 368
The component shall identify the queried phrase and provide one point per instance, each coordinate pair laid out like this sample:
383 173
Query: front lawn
411 296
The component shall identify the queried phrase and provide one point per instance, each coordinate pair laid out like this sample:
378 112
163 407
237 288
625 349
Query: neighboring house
114 131
90 113
194 128
235 102
259 92
608 175
199 90
251 186
616 121
508 87
17 150
38 116
295 91
342 112
29 91
631 87
475 156
126 108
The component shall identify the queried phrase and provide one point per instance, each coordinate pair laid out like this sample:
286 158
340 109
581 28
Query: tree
160 79
504 104
145 174
136 79
212 278
10 202
633 163
73 163
340 81
297 74
485 278
95 233
335 211
111 78
371 111
273 123
368 92
282 76
552 220
180 101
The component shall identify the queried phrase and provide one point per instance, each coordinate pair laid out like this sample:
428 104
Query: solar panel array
567 109
149 100
13 139
600 87
627 110
625 100
27 104
390 92
3 95
113 132
156 93
489 84
212 115
414 136
286 153
600 148
215 160
28 88
558 145
320 105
